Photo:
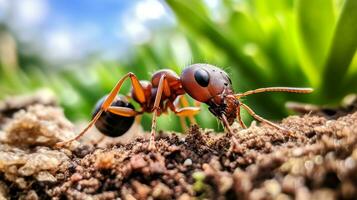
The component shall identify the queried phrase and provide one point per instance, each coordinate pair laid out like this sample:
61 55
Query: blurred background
79 49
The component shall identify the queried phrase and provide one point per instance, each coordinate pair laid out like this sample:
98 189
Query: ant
205 83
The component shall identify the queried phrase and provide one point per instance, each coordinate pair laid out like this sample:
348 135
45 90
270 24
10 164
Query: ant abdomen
110 124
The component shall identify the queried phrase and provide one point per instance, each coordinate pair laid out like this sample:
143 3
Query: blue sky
79 12
70 29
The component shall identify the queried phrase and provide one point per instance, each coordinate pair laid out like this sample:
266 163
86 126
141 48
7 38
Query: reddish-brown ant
203 82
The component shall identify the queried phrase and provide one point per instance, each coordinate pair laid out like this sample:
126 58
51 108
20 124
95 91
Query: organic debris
13 104
38 126
318 160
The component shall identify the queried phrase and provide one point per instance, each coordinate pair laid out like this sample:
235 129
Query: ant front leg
261 119
239 118
108 101
234 142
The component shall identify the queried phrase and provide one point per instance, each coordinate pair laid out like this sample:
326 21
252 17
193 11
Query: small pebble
188 162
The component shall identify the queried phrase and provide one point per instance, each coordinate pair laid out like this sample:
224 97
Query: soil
318 160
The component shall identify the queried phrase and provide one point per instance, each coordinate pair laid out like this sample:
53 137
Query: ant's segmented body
203 82
110 124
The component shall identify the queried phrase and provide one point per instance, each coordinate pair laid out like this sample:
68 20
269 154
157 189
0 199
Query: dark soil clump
318 160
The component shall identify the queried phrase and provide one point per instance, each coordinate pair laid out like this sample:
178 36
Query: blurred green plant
260 43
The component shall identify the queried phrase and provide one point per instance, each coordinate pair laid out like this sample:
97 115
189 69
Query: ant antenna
275 89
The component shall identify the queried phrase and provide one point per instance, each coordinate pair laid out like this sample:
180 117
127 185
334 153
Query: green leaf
193 16
342 50
315 23
350 84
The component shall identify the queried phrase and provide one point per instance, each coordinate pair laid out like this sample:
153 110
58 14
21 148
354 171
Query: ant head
206 83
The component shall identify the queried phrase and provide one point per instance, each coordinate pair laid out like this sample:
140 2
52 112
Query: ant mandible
205 83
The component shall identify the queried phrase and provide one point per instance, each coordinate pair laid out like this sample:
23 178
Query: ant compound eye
202 77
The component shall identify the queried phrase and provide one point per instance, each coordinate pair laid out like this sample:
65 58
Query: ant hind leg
108 101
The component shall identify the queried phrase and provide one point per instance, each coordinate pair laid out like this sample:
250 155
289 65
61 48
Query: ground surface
317 161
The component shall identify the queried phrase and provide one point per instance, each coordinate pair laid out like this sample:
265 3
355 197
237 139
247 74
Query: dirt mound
318 160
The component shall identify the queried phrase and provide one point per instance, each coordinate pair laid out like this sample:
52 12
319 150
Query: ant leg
96 117
234 142
108 101
183 124
226 124
239 118
275 89
184 112
259 118
185 103
102 137
153 131
187 111
123 111
182 119
138 119
156 108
